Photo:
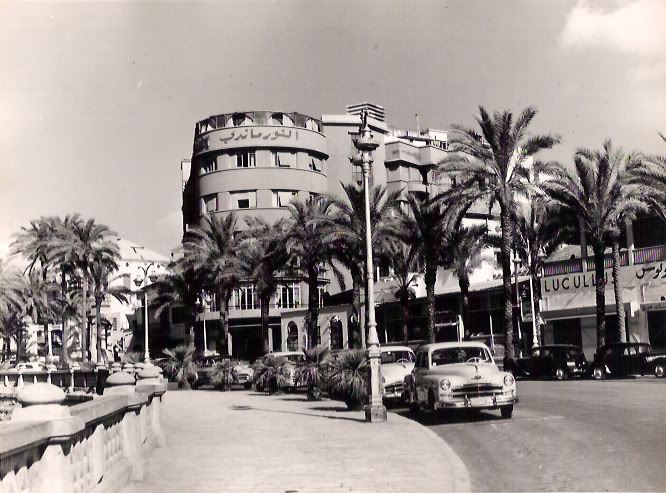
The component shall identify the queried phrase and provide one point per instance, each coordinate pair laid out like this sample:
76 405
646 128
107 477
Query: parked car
291 357
622 359
559 361
397 362
452 375
206 369
243 374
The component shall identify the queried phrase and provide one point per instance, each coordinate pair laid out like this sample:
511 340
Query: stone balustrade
99 445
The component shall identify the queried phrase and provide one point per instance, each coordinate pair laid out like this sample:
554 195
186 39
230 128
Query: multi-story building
255 162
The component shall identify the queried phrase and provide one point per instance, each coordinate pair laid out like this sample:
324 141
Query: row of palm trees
541 205
70 263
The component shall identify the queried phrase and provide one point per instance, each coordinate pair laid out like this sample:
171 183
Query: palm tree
11 300
539 232
310 244
100 273
426 226
264 259
40 300
464 245
181 365
311 371
80 244
177 289
606 188
212 251
404 260
349 233
492 166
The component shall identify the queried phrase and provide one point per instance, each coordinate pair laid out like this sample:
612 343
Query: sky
98 100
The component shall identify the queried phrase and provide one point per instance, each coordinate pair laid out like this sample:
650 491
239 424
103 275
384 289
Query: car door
420 370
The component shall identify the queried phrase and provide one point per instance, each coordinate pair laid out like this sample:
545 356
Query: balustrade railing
94 446
650 254
640 256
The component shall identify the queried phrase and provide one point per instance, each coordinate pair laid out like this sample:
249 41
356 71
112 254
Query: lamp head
138 282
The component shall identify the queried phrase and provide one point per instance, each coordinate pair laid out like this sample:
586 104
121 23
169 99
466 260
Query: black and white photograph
303 246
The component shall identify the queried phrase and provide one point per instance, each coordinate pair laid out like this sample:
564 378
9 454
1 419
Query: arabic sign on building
261 136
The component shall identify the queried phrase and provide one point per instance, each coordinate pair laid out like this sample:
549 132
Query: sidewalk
246 441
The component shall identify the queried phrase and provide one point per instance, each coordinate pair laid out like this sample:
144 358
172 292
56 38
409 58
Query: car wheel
414 407
507 411
598 373
561 374
247 385
659 371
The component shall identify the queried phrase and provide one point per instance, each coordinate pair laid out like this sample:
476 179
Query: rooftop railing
247 118
640 256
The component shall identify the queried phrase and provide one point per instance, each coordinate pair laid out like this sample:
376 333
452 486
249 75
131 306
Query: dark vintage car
559 361
206 369
622 359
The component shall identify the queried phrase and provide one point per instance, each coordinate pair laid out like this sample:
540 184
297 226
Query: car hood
467 370
396 372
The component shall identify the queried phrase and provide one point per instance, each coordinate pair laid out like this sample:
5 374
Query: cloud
634 27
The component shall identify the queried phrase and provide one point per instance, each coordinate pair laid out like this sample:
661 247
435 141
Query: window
289 295
245 160
208 165
321 294
282 198
239 119
277 119
245 298
209 203
244 200
292 336
284 159
314 164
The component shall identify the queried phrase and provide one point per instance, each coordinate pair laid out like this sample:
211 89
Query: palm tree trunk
224 320
19 344
65 332
430 279
463 282
84 318
617 288
404 305
313 306
101 353
264 309
505 219
219 334
600 289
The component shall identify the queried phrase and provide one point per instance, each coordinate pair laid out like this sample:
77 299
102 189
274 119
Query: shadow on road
450 417
250 408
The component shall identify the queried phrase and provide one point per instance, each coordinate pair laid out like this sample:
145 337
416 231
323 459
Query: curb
460 481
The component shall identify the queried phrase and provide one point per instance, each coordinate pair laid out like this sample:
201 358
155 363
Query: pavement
246 441
565 436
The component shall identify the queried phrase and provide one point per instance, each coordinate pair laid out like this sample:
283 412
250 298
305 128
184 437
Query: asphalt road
565 436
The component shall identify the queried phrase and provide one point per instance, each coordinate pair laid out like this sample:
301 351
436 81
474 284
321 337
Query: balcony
640 256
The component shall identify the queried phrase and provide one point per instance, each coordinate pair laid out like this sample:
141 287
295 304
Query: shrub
181 365
348 378
312 371
270 373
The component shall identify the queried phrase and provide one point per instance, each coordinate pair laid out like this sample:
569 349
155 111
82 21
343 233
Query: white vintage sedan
451 375
397 363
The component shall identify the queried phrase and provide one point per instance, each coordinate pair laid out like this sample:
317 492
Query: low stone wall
95 446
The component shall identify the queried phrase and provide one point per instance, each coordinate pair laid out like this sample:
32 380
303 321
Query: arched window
292 336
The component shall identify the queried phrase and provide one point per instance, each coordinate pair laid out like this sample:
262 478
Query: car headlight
508 379
445 384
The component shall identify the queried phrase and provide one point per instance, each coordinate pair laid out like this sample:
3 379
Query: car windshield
388 357
644 348
449 356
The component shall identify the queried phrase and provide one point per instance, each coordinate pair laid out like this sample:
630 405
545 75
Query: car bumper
490 402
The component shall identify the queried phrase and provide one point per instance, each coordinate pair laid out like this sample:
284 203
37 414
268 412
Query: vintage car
622 359
206 369
559 361
462 375
397 362
243 374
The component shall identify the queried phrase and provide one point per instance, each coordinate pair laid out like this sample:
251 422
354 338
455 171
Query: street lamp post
516 263
535 340
144 281
365 144
204 306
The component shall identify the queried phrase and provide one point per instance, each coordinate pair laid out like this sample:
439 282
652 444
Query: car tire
414 407
506 411
598 373
561 374
659 371
247 385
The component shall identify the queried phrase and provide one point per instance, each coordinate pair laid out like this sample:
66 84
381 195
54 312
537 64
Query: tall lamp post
516 263
365 144
535 340
143 282
203 302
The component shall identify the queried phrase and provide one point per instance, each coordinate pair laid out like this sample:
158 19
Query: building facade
256 162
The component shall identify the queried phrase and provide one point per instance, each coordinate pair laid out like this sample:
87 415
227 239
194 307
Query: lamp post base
375 414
